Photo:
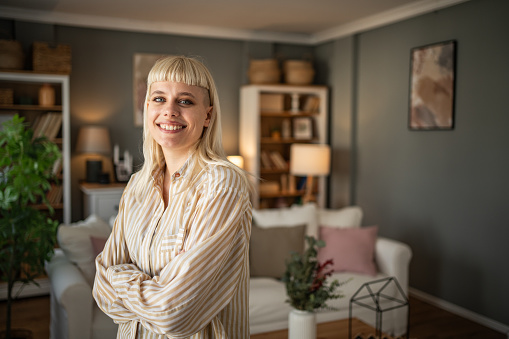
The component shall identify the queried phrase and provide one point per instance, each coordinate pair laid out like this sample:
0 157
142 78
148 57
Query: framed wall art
432 82
142 63
302 128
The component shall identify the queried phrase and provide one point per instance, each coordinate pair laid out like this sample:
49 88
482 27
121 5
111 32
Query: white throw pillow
296 215
350 216
74 240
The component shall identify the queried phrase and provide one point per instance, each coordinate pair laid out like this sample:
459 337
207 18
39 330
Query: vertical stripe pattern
179 272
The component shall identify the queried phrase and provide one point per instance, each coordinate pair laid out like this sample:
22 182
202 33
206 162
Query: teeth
171 127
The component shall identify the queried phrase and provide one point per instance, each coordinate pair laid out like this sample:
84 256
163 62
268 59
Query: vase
46 95
301 324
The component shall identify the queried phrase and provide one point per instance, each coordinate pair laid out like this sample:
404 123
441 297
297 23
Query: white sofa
74 313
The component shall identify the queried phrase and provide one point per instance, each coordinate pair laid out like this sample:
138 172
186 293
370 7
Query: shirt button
177 175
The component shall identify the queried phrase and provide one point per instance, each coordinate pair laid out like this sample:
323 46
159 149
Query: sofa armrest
72 292
393 259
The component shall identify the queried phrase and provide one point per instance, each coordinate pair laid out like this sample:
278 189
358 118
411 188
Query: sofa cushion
74 240
351 249
350 216
270 247
98 244
288 217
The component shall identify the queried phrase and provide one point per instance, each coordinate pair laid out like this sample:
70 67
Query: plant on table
27 235
306 279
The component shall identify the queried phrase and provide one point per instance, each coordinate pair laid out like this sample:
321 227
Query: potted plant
308 289
27 234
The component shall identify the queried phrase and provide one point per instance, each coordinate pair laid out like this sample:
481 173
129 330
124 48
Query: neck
174 161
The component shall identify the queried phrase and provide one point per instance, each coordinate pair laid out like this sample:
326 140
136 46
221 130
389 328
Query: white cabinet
20 95
101 199
272 118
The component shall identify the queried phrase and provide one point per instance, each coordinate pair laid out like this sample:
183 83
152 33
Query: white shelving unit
28 83
266 112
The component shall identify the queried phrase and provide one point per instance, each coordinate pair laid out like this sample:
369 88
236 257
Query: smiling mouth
169 127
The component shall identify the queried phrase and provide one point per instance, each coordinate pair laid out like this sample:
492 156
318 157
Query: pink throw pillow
351 249
98 244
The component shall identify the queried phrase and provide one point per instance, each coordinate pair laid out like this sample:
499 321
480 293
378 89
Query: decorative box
274 102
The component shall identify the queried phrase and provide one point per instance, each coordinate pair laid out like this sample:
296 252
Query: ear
209 116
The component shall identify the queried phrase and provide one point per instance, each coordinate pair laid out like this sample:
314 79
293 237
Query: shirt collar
181 173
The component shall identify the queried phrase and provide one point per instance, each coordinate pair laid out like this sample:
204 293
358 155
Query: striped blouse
179 272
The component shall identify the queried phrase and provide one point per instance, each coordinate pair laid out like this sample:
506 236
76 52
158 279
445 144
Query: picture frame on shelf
432 86
302 128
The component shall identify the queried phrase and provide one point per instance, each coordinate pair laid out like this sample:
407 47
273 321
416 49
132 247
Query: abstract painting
432 79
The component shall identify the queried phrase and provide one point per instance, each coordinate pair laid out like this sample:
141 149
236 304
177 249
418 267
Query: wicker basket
11 55
298 72
6 96
264 71
51 59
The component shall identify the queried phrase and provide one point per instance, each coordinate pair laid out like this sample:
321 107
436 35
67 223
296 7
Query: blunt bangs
179 69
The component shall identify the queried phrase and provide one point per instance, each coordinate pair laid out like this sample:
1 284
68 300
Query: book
54 126
266 162
278 160
48 125
312 104
57 167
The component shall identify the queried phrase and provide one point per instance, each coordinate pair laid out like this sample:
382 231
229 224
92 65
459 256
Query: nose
172 110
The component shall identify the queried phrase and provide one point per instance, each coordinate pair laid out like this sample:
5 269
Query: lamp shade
309 159
94 139
237 160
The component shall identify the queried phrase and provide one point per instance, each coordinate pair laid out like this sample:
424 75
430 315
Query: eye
158 99
185 102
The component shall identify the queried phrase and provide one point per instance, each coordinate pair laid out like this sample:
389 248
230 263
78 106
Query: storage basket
298 72
11 55
51 59
6 96
264 71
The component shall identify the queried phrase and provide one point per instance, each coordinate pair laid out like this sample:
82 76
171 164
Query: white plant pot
301 325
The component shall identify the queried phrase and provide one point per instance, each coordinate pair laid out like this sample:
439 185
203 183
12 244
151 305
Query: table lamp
94 141
309 160
237 160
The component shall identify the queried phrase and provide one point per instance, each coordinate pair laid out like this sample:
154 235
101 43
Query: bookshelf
272 118
19 92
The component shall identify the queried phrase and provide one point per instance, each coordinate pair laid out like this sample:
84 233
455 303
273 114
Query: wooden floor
426 321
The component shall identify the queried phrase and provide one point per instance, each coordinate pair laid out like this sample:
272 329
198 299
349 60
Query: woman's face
177 114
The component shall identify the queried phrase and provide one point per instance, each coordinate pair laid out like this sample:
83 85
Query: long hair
209 148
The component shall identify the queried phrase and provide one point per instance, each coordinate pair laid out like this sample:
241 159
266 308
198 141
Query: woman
176 263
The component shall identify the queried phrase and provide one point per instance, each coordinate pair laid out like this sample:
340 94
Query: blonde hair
209 148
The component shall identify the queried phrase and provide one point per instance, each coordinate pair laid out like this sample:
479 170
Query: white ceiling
298 21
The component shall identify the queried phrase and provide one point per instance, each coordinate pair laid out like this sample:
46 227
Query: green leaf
306 285
27 235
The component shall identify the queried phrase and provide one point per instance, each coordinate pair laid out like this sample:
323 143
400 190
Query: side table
375 295
101 199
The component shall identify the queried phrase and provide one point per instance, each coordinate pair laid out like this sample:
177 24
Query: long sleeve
197 284
200 291
115 252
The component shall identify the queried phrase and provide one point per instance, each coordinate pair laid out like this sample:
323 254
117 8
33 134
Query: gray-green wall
445 193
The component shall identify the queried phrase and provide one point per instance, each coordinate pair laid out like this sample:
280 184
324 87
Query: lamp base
94 170
309 196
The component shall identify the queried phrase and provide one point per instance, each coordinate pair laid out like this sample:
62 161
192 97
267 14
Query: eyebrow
180 93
